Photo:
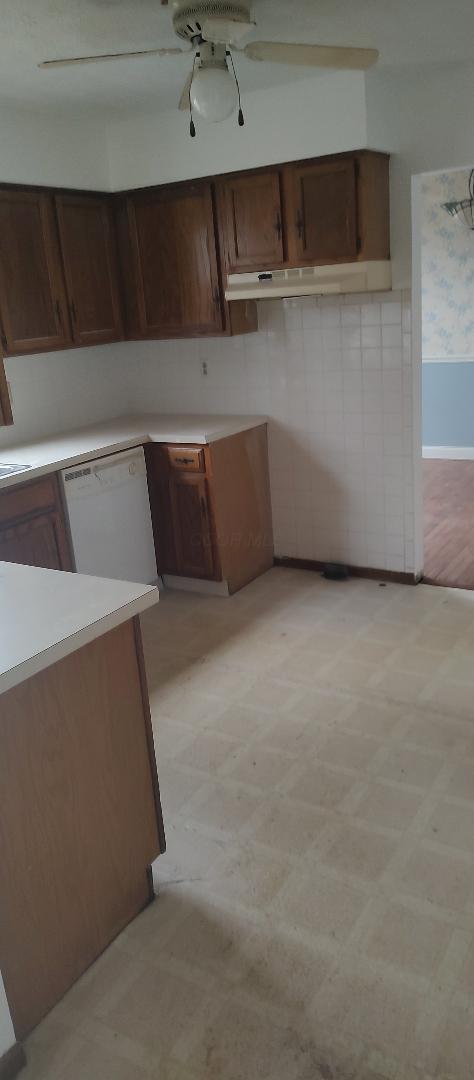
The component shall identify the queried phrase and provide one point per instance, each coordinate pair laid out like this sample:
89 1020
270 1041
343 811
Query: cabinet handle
299 224
203 506
278 225
4 341
73 310
184 460
217 298
58 312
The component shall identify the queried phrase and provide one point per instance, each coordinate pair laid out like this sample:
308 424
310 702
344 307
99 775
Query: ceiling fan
213 28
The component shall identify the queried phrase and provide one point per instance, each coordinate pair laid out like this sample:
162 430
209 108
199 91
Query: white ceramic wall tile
334 376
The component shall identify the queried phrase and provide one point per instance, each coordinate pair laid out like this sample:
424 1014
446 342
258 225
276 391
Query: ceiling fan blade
222 31
111 56
184 99
322 56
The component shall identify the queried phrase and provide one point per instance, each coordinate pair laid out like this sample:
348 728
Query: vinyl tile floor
315 909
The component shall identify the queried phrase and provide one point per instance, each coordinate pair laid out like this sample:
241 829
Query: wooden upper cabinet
87 236
33 305
173 251
322 211
250 218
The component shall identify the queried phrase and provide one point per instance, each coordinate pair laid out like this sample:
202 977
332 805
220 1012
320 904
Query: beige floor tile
453 825
156 1010
439 877
208 752
290 827
261 767
224 806
252 878
319 902
367 718
466 977
240 721
240 1044
282 970
349 751
455 697
271 694
409 940
177 785
372 1008
323 786
360 851
406 765
461 784
388 805
455 1051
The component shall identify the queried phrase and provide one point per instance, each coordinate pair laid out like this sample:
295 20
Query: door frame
416 356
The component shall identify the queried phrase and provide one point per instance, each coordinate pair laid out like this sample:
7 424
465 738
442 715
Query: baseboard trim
398 576
197 585
451 453
12 1062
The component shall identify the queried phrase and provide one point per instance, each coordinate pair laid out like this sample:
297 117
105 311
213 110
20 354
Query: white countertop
48 614
83 444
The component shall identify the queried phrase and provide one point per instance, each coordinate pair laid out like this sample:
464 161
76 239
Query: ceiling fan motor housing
188 17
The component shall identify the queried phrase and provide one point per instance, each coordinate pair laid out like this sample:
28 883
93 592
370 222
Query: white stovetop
69 448
47 614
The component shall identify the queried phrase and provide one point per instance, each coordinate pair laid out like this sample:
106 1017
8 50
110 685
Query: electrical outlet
204 367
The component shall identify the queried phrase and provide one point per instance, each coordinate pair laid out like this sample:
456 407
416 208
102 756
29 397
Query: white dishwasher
109 517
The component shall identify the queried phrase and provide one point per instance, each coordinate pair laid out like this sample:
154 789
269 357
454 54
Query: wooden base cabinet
211 508
80 817
32 526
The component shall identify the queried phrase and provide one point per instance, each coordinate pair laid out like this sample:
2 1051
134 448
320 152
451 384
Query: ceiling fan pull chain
241 115
192 126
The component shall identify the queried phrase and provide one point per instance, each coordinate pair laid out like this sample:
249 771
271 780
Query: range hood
356 277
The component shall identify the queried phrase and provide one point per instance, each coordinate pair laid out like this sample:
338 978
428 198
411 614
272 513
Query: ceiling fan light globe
213 94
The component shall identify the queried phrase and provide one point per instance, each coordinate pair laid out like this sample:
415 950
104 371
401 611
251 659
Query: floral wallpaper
447 271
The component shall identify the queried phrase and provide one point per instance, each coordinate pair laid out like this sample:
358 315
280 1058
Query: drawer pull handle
184 460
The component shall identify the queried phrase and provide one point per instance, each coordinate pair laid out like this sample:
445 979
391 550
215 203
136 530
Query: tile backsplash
334 377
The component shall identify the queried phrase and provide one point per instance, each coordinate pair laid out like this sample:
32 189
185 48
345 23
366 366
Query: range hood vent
357 277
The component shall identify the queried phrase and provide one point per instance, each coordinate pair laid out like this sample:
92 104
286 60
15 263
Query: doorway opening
446 267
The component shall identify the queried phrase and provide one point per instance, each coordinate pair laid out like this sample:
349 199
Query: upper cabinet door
33 304
86 230
250 215
173 249
322 210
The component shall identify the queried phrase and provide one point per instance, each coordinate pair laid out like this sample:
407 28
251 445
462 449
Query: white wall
321 115
60 390
424 117
47 147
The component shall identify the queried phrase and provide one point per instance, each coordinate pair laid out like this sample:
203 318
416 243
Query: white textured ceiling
404 31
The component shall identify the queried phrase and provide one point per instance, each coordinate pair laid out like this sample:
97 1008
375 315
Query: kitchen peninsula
80 818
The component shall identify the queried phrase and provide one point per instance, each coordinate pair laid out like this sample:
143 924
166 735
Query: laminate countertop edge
49 614
67 449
